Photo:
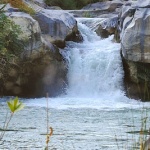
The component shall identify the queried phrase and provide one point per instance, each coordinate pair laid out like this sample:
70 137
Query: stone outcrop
41 67
135 36
31 32
57 26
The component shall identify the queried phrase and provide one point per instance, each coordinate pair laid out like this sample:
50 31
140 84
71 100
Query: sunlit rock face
135 45
135 35
31 32
57 26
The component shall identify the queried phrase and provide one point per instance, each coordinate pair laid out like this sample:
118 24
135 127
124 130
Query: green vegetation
22 6
70 4
9 37
14 106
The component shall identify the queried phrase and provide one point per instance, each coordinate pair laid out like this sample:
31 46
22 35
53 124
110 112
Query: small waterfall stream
95 67
95 72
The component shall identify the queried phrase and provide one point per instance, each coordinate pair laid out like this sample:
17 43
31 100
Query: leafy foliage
14 105
9 37
19 4
22 6
70 4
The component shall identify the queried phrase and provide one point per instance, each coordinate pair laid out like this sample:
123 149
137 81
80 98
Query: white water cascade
95 73
95 68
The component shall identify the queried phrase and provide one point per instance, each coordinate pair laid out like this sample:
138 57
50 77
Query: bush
19 4
70 4
9 40
22 6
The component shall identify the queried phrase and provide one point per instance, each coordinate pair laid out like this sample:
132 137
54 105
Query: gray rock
107 27
108 5
101 9
31 33
41 68
56 25
143 4
135 36
102 26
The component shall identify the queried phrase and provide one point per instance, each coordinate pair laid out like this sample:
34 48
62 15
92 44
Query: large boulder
135 36
41 67
57 26
39 70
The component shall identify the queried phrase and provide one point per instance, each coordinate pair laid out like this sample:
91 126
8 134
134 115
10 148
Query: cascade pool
93 114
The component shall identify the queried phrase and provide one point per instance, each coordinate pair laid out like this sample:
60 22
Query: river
93 114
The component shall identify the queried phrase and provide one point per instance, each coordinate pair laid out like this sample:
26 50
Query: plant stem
47 117
5 127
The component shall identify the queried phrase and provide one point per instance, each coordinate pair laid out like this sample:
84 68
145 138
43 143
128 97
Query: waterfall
94 66
95 73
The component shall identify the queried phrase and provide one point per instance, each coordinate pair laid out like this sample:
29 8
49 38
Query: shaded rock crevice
36 76
137 80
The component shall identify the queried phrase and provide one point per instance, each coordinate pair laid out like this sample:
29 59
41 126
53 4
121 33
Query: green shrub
70 4
14 105
9 37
